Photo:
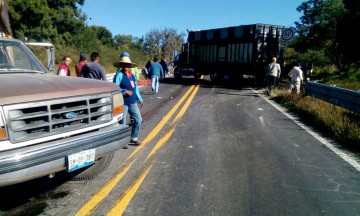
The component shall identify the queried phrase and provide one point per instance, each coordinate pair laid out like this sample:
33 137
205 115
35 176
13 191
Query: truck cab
182 66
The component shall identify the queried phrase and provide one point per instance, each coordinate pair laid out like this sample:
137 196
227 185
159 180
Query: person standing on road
164 66
93 69
81 63
156 72
296 78
128 85
147 66
64 69
135 71
274 71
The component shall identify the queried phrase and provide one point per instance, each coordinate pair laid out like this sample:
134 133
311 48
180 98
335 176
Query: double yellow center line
120 205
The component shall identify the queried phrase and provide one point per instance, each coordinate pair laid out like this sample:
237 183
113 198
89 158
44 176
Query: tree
162 43
86 40
121 40
40 20
103 35
317 30
346 34
171 42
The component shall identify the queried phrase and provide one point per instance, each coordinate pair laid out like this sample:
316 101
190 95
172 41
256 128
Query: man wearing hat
128 85
80 64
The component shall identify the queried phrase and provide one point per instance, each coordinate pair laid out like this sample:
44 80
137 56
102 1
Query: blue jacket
125 85
156 70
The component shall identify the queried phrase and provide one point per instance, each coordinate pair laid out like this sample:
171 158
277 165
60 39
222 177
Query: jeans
272 82
135 114
155 83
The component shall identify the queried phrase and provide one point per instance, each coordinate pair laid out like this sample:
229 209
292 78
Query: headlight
3 134
118 103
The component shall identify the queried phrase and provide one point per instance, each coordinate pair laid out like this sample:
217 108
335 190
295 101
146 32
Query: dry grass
333 121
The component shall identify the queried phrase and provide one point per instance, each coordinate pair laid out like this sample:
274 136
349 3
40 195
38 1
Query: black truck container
226 54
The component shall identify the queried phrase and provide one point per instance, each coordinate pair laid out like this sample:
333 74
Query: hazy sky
138 17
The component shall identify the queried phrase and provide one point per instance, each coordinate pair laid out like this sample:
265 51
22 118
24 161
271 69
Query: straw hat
124 58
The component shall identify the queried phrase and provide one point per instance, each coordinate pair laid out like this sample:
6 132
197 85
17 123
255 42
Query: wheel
94 170
177 73
214 76
197 75
226 77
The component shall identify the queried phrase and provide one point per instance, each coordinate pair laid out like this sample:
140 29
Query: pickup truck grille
45 118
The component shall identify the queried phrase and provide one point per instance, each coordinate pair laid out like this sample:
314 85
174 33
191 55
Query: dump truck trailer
226 54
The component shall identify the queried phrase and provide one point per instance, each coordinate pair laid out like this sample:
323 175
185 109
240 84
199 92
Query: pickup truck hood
20 88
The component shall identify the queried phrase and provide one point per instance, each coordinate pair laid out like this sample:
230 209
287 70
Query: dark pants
272 81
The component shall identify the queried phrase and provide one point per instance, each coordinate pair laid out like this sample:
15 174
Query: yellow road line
162 123
99 196
120 206
94 201
174 122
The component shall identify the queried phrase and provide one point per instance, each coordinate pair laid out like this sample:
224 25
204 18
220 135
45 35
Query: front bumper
34 161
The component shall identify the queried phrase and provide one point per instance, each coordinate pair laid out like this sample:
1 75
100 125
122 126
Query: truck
227 54
51 123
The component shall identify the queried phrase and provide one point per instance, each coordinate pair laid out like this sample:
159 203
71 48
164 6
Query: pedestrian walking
128 85
296 78
273 73
156 72
164 66
93 69
148 65
64 69
81 63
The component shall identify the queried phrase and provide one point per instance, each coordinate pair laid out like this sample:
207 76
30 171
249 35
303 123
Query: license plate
81 159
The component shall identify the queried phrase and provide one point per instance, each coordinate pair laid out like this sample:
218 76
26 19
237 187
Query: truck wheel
197 75
214 76
92 171
177 74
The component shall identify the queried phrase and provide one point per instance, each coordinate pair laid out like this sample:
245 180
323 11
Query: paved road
206 150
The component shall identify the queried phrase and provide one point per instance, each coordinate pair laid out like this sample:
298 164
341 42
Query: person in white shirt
296 75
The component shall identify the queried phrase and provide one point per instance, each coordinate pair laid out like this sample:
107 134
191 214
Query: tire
197 75
177 74
214 77
94 170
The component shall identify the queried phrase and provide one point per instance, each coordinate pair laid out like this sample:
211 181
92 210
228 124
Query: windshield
15 57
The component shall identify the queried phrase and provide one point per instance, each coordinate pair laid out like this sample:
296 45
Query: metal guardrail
345 98
110 77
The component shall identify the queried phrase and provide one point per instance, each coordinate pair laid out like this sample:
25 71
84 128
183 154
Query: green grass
107 57
332 121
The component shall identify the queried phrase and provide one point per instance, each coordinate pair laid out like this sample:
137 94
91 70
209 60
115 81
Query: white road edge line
345 155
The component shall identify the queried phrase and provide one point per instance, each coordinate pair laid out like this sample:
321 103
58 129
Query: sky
139 17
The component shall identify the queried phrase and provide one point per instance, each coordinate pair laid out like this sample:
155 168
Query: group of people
83 68
126 77
273 74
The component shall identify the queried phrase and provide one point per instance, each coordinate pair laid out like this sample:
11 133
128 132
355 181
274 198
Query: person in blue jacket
128 85
155 73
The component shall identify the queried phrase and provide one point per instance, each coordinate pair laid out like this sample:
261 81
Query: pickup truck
51 123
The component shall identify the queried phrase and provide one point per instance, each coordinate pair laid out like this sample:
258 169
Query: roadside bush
333 121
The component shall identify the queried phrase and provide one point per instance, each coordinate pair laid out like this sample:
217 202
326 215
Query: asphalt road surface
207 150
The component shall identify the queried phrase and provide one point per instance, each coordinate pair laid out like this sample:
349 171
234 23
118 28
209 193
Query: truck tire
214 76
94 170
177 73
197 75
